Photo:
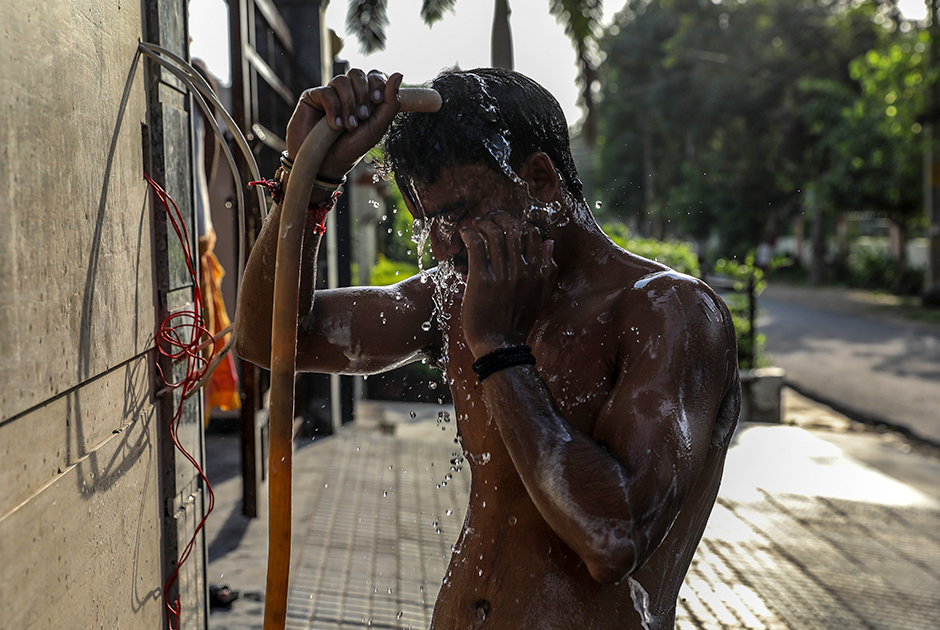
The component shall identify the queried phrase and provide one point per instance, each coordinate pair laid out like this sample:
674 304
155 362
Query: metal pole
251 452
752 319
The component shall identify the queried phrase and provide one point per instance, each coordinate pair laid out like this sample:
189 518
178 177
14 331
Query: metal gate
264 91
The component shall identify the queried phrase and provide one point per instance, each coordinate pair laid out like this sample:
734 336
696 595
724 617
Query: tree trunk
501 43
817 272
900 256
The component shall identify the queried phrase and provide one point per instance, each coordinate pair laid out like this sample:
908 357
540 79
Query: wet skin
598 464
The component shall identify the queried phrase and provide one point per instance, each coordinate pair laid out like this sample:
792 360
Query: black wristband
502 358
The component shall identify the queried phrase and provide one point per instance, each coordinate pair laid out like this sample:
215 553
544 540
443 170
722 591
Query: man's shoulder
665 297
667 284
644 278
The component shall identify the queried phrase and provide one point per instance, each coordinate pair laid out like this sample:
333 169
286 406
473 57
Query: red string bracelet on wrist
275 189
317 210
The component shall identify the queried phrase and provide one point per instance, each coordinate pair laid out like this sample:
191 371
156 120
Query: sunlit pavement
804 535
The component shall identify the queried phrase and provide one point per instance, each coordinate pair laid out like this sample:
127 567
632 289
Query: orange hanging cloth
222 388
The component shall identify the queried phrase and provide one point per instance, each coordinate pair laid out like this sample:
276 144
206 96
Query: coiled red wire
179 338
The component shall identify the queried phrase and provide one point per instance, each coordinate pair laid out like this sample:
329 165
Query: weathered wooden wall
89 489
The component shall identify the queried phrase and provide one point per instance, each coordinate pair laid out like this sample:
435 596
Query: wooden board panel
84 551
37 447
76 293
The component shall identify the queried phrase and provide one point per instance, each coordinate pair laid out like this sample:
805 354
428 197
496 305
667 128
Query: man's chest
576 354
578 365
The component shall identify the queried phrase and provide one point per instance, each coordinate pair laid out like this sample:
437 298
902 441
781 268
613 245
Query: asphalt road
869 367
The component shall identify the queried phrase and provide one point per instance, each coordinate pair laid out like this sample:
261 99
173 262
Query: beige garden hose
284 350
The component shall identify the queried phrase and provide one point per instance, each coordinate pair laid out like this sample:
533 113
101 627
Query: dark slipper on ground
221 596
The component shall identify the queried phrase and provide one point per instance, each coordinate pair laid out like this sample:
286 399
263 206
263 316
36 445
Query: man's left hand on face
510 277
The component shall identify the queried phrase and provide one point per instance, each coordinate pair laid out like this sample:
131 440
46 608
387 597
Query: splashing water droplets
447 285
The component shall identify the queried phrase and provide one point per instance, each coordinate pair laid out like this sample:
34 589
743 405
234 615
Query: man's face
461 194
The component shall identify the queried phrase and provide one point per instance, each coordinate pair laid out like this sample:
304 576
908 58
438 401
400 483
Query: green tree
716 116
893 101
864 135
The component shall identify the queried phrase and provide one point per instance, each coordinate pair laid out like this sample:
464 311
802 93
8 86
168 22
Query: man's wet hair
485 112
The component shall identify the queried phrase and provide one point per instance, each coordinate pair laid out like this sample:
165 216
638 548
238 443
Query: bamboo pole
307 163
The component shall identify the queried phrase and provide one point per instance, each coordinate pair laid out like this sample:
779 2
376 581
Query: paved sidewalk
860 351
855 302
804 534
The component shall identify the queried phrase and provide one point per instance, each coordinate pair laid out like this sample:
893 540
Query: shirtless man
597 456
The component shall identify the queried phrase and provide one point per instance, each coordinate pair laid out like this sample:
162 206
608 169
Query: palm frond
367 19
433 10
580 19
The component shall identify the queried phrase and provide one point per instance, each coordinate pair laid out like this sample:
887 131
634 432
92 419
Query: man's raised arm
363 106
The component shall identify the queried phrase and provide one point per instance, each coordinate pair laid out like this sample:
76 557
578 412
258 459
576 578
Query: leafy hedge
386 271
675 254
876 270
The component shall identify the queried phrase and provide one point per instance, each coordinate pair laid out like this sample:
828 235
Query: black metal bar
241 99
261 67
751 318
276 23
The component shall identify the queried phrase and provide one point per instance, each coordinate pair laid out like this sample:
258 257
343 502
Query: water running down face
454 201
463 194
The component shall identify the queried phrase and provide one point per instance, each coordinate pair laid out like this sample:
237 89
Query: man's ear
540 174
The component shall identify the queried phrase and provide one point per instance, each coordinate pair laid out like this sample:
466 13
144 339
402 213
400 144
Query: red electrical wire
179 338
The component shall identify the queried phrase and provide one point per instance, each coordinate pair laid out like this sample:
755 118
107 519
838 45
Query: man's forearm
256 295
579 487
